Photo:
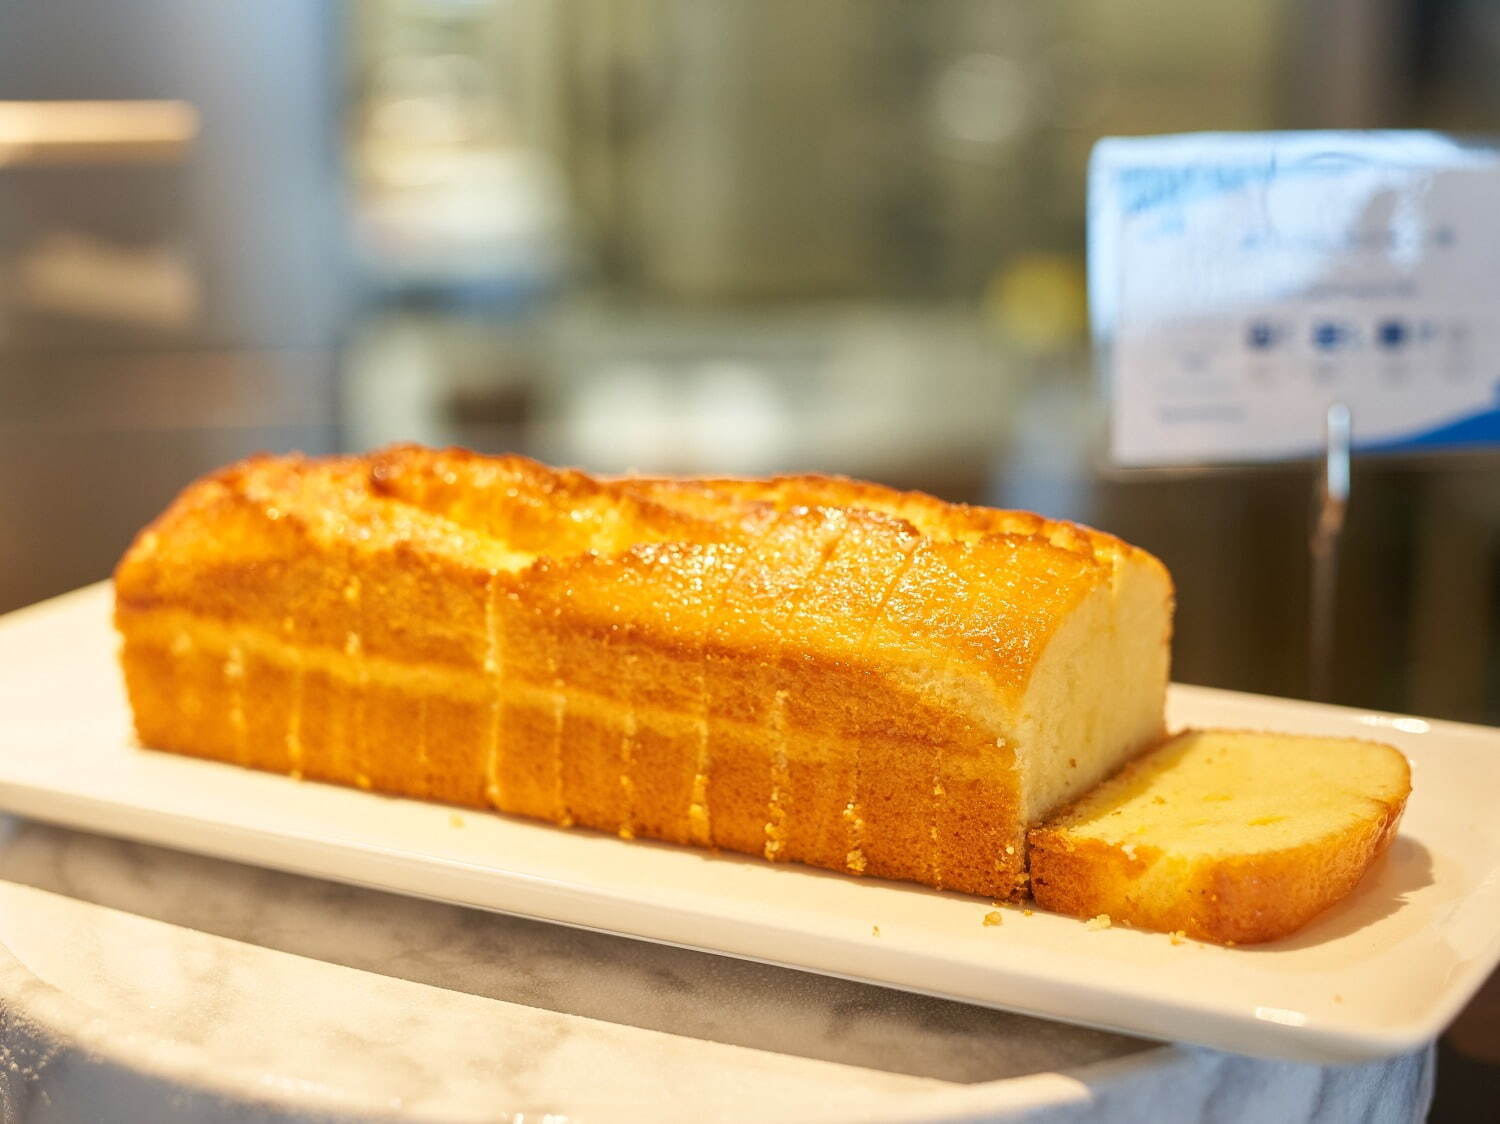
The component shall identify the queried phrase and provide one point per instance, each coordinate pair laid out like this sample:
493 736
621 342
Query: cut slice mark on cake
424 757
234 677
188 700
937 792
935 861
562 813
295 753
853 811
834 526
700 825
494 665
627 753
780 779
354 648
358 706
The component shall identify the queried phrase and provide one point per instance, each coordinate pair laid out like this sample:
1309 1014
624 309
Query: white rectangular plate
1381 973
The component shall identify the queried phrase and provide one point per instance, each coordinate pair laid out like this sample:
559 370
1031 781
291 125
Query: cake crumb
1178 936
1100 922
1027 912
874 930
455 820
993 917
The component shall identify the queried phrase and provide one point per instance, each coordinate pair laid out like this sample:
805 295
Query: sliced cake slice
1224 835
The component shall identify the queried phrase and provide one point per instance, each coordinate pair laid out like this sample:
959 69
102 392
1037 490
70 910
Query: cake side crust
420 731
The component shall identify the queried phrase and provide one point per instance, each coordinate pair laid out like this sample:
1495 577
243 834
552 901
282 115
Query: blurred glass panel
758 235
697 235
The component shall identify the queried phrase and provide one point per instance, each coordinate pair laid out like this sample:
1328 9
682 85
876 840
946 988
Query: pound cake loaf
805 668
1224 835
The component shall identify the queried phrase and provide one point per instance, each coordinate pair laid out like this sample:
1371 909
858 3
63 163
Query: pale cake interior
1095 692
1213 793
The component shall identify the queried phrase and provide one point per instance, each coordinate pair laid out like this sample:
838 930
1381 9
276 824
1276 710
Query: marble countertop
138 983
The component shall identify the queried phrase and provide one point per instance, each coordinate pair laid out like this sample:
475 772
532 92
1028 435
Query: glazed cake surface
804 668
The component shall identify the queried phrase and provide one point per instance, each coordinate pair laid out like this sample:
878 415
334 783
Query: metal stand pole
1327 532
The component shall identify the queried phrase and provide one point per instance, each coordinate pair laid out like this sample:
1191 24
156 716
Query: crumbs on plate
1100 922
993 917
1178 936
874 930
455 820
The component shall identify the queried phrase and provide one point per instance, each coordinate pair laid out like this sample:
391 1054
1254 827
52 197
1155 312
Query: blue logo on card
1330 335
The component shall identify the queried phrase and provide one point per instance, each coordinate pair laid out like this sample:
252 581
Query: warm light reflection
1405 725
1280 1015
53 132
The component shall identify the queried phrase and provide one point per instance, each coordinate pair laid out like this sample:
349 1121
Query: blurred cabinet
164 306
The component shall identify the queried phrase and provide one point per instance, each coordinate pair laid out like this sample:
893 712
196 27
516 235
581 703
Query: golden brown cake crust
808 668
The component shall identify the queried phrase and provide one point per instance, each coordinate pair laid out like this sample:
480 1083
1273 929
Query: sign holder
1323 547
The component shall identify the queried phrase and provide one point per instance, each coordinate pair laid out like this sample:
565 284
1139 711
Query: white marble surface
142 984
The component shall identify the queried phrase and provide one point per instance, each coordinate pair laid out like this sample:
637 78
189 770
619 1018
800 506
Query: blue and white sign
1241 283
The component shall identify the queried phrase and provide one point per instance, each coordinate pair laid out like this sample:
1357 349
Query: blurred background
688 235
724 235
